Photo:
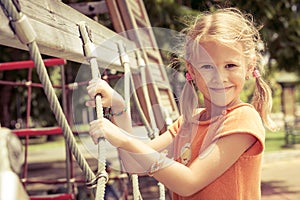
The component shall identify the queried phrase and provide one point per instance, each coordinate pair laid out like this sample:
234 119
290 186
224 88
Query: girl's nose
220 76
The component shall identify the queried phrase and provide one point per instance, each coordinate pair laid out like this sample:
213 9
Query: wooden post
288 82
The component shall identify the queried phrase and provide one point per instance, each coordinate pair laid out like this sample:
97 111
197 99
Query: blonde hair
228 25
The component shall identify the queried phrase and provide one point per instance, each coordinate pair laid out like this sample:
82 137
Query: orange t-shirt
242 180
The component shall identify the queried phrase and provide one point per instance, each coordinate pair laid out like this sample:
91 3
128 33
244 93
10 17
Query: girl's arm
179 178
186 181
161 142
110 98
124 121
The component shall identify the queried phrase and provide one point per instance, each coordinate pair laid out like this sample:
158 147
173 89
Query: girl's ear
190 69
249 71
251 66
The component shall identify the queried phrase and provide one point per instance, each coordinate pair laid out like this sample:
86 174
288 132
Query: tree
281 30
280 20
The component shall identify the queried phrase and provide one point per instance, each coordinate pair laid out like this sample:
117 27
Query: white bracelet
158 164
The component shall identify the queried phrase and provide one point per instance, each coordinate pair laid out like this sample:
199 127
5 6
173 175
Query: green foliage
281 30
281 27
167 13
280 20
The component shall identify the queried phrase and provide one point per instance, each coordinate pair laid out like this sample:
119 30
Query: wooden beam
55 24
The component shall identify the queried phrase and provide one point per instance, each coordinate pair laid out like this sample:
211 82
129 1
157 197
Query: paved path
280 176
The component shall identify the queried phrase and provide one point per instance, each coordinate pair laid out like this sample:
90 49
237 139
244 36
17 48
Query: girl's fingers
94 137
95 86
90 103
96 122
93 90
108 94
95 130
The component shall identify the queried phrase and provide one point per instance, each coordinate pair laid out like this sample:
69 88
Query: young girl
213 152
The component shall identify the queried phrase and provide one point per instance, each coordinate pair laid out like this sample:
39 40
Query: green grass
40 142
275 141
59 141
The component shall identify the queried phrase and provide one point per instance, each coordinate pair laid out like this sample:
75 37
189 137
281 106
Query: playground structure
28 132
69 36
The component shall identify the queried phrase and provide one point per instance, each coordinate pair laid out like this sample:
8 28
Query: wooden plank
115 16
135 17
58 35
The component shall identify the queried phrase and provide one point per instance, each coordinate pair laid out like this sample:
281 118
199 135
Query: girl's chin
220 103
227 104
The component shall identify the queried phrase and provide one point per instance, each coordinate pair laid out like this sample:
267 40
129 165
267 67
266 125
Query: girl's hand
103 128
109 96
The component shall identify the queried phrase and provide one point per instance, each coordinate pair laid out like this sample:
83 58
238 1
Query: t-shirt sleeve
244 120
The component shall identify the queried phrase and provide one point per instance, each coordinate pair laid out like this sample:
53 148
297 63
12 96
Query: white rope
151 114
162 195
127 78
135 187
89 52
142 66
127 74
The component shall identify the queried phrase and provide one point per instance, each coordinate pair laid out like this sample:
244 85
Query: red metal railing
27 132
30 64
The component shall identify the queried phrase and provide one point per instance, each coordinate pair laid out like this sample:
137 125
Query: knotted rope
26 35
127 82
89 49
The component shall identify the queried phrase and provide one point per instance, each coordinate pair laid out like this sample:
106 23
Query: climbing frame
131 20
57 29
56 26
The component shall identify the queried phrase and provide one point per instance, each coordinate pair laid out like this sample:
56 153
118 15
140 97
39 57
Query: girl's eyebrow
235 58
204 63
232 61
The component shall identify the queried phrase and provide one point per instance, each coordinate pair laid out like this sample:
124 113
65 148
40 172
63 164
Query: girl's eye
230 65
207 67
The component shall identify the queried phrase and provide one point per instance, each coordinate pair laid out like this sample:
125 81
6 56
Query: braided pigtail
188 101
262 101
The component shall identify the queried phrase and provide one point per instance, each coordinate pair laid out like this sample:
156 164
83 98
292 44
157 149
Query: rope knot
94 181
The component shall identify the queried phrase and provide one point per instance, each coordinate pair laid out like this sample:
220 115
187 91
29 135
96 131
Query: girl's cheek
211 77
238 75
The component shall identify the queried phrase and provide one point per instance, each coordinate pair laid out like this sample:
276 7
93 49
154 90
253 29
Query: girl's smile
221 89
